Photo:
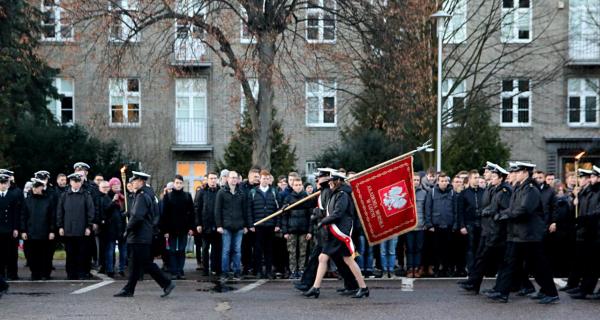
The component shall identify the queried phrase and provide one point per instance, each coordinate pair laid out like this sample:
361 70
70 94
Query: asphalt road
264 300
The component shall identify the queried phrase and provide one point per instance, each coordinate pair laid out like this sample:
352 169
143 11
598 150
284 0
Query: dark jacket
113 216
178 213
339 211
10 209
230 210
564 216
262 204
140 228
204 209
296 220
37 216
548 200
469 207
420 197
75 213
587 220
525 216
440 208
494 200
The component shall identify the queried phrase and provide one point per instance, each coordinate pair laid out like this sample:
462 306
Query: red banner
385 200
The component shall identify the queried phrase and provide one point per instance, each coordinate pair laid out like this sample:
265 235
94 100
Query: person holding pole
338 242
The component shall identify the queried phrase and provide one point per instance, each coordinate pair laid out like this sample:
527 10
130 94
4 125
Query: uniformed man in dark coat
525 231
37 230
493 233
204 211
584 231
140 231
13 256
10 203
588 231
74 219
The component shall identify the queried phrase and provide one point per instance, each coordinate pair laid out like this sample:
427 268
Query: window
456 27
516 102
320 103
189 35
320 21
516 21
56 25
584 33
583 102
245 36
193 173
123 28
453 100
62 108
125 102
253 82
191 110
311 168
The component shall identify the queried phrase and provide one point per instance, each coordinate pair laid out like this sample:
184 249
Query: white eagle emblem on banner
395 198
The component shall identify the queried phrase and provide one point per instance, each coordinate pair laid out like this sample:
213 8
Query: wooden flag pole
366 171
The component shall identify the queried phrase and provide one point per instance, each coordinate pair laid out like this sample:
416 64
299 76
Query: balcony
584 53
191 135
190 52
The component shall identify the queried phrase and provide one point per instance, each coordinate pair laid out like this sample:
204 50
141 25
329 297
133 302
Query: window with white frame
456 27
320 103
454 94
189 35
320 21
311 168
584 33
56 24
583 101
516 21
516 102
245 36
123 26
193 173
253 83
62 108
125 99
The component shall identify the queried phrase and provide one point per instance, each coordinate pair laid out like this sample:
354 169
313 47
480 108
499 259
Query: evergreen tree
474 140
238 153
25 80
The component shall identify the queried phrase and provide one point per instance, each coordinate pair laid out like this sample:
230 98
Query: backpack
253 193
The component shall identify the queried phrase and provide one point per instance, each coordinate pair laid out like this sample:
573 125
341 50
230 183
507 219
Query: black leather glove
500 217
285 206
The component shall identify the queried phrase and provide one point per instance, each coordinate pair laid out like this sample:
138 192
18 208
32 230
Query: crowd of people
510 223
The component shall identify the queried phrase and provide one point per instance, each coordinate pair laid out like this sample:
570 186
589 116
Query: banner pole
408 154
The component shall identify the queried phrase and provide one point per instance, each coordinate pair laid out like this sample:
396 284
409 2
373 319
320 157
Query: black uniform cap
4 178
75 177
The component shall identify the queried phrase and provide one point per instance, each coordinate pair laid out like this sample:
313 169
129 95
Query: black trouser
78 256
199 250
140 260
281 258
532 253
91 253
212 242
442 249
40 258
263 249
102 244
473 237
400 250
6 244
487 257
591 269
582 249
559 248
248 251
310 270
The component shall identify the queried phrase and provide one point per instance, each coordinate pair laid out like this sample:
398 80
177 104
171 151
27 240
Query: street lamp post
440 18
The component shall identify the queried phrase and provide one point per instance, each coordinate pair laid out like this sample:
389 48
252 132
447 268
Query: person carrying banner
338 223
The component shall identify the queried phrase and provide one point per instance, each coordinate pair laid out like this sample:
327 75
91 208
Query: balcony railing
190 52
191 131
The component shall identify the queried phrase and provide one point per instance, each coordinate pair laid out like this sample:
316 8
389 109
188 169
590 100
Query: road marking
251 286
407 284
105 281
560 282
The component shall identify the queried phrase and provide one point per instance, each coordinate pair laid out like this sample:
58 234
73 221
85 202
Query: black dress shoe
537 296
123 294
579 296
525 292
467 286
340 290
565 288
313 292
167 290
302 287
573 290
361 293
348 292
499 297
488 291
549 300
463 281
